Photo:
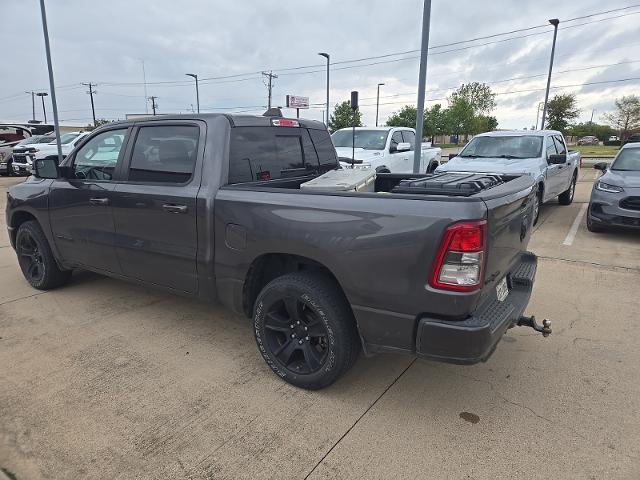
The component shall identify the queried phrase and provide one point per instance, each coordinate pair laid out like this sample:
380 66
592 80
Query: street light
44 112
33 106
197 91
554 22
326 55
378 102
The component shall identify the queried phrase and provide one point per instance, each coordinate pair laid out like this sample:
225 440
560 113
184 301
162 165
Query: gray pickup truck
210 206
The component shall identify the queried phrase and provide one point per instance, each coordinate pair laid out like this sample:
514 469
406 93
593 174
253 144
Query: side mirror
46 167
557 158
601 166
403 147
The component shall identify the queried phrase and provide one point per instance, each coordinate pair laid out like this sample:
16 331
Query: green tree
561 110
435 122
478 95
99 122
406 117
603 132
484 123
626 116
460 116
343 117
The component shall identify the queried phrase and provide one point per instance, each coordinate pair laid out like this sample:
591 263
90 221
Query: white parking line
571 236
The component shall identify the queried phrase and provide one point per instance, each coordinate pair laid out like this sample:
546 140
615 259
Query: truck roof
235 120
513 133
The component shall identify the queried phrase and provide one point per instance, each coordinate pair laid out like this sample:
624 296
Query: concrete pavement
102 379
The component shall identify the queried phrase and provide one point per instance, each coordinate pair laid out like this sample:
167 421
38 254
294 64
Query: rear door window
164 154
559 144
270 153
409 137
324 147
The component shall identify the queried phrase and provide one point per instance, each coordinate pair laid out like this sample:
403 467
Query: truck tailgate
509 225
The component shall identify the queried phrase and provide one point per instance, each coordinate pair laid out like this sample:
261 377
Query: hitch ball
545 329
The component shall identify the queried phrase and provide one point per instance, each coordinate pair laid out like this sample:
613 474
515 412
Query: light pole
327 56
197 90
422 82
44 112
33 106
378 102
554 22
52 87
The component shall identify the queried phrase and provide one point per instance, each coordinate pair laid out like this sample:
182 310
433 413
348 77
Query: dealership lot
102 379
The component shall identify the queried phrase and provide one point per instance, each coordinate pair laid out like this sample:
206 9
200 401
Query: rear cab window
271 153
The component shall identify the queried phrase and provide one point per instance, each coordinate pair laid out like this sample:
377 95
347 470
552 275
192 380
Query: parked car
24 152
589 140
210 206
614 138
541 154
615 197
68 142
10 136
633 138
386 149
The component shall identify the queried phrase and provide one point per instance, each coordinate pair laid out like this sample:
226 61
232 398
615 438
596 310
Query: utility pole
270 76
44 112
33 106
554 22
378 102
540 104
422 83
154 105
91 92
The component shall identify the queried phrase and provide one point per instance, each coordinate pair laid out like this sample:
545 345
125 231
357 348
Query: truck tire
536 206
305 330
566 197
36 259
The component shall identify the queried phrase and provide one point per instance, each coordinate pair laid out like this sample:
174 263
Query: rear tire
566 197
36 259
305 330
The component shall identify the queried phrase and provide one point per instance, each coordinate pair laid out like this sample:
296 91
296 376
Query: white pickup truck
386 149
541 154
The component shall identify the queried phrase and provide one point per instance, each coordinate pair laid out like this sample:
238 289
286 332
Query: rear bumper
473 340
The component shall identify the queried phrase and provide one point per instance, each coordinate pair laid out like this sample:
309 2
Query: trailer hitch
545 329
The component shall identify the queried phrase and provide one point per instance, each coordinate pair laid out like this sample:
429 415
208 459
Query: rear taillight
460 258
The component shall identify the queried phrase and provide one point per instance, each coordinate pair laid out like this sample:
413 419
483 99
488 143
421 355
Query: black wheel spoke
312 356
316 329
294 308
33 270
285 351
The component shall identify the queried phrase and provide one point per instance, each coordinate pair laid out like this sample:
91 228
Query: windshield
525 146
628 159
367 139
67 138
29 141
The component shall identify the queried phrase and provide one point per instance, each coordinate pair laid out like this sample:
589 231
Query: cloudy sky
228 44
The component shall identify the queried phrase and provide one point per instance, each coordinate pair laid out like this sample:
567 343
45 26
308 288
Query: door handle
101 202
170 208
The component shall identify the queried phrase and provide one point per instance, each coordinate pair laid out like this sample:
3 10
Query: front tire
305 330
566 197
536 206
36 259
592 226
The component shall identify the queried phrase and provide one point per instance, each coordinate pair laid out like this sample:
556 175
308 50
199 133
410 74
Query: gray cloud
104 42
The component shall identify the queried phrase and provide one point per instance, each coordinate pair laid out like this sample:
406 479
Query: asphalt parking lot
101 379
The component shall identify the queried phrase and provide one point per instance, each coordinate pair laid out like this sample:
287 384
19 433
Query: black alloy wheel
30 258
296 335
